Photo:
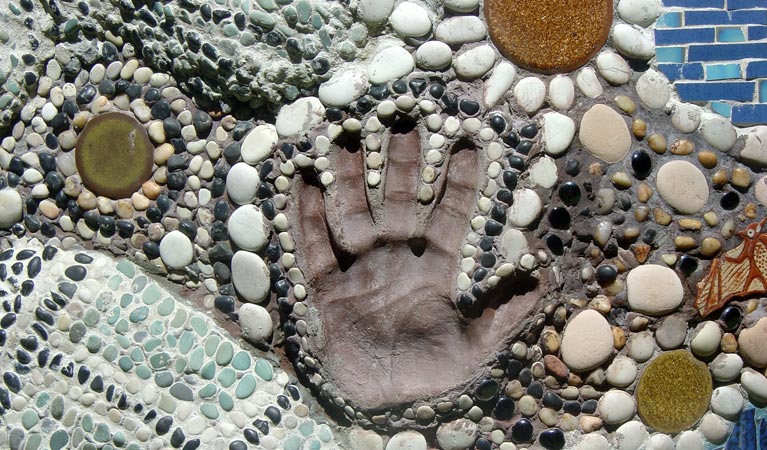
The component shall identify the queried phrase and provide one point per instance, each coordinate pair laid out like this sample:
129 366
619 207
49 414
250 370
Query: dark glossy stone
238 445
177 438
399 87
525 146
479 274
535 389
552 400
251 436
273 414
552 439
525 377
75 273
641 163
437 90
12 381
513 369
34 267
163 425
522 431
555 244
191 444
469 107
572 407
510 180
486 390
730 200
504 195
570 193
606 273
688 264
529 131
731 318
487 259
504 409
498 123
8 320
589 406
511 139
517 162
493 228
559 218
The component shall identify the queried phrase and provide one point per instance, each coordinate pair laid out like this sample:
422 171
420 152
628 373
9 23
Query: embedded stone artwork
383 225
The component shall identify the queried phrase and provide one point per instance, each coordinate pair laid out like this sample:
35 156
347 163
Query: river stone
639 12
457 435
246 228
751 344
374 11
343 88
259 143
587 342
654 290
525 208
10 207
474 63
410 20
176 250
433 55
299 117
255 323
407 440
616 407
460 30
499 83
605 134
250 276
242 183
683 186
389 64
653 89
558 132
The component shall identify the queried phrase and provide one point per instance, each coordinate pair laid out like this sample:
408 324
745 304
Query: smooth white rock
630 436
461 6
653 89
499 83
706 338
255 323
530 93
389 64
299 117
176 250
654 290
433 55
459 434
621 372
558 133
754 151
250 276
474 63
246 228
374 11
690 440
714 428
513 244
660 441
616 407
460 30
588 83
587 341
525 209
639 12
613 68
544 172
727 402
10 207
561 92
755 385
633 42
259 143
685 117
410 20
365 440
604 133
343 88
242 182
683 186
641 346
593 441
726 367
719 133
407 440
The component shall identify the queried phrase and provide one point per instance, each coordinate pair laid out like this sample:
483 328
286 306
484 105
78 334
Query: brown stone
575 30
707 159
556 367
657 143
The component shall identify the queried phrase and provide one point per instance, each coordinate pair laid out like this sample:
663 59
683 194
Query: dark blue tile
706 18
726 52
692 71
757 32
749 16
756 69
753 114
695 3
672 71
741 4
741 91
684 35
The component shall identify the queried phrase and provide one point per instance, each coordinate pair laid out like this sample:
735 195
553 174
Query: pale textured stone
683 186
605 134
587 342
654 290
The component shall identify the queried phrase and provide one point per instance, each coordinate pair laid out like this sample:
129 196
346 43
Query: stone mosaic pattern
715 52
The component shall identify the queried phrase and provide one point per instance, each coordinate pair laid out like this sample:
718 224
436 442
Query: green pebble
211 344
229 30
264 370
224 353
304 9
33 441
115 316
245 387
167 403
122 326
199 327
152 344
247 38
159 361
163 379
185 342
114 282
209 410
139 314
133 446
284 2
315 445
59 439
71 27
126 300
267 4
179 319
4 36
126 268
77 437
89 446
151 294
29 419
123 341
325 434
137 355
262 19
306 428
165 308
110 352
293 442
226 401
125 364
13 87
196 358
226 377
291 15
5 100
57 407
119 439
325 38
14 9
87 423
245 5
139 283
180 364
317 21
291 92
182 392
77 332
144 372
94 343
209 390
42 399
157 328
208 371
241 361
102 433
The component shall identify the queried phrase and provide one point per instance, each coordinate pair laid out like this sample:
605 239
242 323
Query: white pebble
176 250
530 94
255 323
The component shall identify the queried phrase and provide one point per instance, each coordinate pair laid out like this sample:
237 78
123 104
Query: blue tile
741 4
706 18
669 20
756 69
749 16
692 71
672 71
684 35
729 34
723 109
722 71
695 3
757 32
753 114
726 52
669 54
763 91
741 91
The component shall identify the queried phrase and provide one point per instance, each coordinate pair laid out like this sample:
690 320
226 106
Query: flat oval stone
587 341
605 134
407 440
432 55
345 87
250 276
575 31
558 132
247 229
299 117
242 183
176 250
460 30
410 20
526 207
683 186
10 207
389 64
474 63
256 325
616 407
259 143
654 290
751 344
673 391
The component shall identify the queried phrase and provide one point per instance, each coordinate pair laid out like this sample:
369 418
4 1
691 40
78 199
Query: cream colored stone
587 342
654 290
605 134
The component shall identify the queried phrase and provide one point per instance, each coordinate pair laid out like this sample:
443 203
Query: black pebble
529 131
251 436
163 425
572 407
570 193
525 377
589 406
525 146
688 264
510 180
641 163
177 438
517 162
606 273
731 317
504 195
283 402
487 260
82 374
225 304
493 228
504 409
27 287
522 431
7 320
559 218
192 445
12 381
535 389
555 244
82 258
437 90
511 139
238 445
273 414
730 200
513 369
75 273
552 400
498 124
552 439
486 390
34 267
262 425
399 87
469 107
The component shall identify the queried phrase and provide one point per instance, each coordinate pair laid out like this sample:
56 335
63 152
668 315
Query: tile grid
715 53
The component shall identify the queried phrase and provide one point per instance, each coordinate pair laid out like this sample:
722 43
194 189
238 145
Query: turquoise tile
669 20
723 109
763 91
730 34
723 71
669 54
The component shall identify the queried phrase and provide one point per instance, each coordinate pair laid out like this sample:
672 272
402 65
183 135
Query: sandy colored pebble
661 216
685 243
86 200
707 159
589 424
641 252
638 323
550 341
711 219
151 189
163 153
626 104
639 128
657 143
619 338
641 213
124 209
710 247
720 178
621 180
741 178
729 343
644 192
682 147
750 210
690 224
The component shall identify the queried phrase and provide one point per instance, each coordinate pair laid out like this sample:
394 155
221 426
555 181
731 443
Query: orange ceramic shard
549 36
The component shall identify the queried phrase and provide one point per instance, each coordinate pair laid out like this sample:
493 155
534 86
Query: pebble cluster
599 183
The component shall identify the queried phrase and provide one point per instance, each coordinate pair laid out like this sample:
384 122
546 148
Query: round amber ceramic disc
114 155
549 36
